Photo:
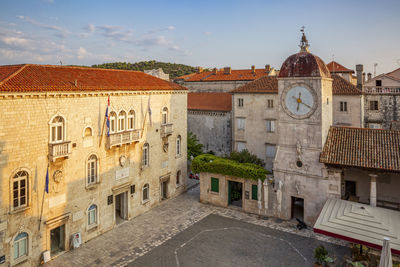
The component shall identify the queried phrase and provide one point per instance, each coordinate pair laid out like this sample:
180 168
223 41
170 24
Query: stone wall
388 110
220 86
354 115
212 129
24 145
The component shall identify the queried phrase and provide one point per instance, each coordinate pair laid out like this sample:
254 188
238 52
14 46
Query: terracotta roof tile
184 77
304 64
62 78
266 84
210 101
341 86
235 75
362 147
333 66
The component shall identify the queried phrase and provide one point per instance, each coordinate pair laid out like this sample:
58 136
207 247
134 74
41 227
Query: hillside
174 70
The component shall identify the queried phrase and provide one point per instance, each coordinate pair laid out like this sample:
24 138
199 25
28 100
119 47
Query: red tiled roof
269 84
62 78
235 75
266 84
304 64
362 147
184 77
333 66
341 86
210 101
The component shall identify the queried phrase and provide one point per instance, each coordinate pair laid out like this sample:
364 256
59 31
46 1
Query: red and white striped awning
359 223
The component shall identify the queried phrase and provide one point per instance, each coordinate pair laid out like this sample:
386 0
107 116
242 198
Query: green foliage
214 164
193 146
357 264
246 157
320 254
174 70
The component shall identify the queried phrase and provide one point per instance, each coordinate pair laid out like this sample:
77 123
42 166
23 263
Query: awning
359 223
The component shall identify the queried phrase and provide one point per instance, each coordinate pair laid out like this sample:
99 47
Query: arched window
131 120
113 121
20 189
88 131
145 155
145 192
20 246
178 145
57 128
92 215
164 116
121 121
92 170
178 177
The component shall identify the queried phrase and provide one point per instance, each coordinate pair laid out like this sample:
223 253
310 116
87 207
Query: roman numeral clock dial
299 102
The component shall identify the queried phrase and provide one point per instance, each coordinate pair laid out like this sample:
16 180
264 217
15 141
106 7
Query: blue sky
204 33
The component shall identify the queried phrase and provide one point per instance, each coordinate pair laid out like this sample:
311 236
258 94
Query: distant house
159 73
342 71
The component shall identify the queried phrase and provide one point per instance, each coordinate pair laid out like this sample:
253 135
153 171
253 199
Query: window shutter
214 184
254 191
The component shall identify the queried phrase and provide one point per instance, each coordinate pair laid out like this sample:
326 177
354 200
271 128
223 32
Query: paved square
221 241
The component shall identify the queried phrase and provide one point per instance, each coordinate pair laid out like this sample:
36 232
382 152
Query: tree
246 157
193 146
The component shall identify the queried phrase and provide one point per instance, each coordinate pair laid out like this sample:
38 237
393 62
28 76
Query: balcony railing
166 129
382 90
59 150
126 137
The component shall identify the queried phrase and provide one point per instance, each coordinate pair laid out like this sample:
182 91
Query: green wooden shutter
214 184
254 191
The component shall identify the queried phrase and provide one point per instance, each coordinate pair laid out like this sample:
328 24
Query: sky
215 33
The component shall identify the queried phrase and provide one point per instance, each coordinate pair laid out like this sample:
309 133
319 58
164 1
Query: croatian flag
108 118
149 110
46 188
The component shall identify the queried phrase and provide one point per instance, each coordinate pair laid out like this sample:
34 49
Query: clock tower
305 115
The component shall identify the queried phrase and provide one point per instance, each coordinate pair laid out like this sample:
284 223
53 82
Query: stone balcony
59 150
382 90
166 130
121 138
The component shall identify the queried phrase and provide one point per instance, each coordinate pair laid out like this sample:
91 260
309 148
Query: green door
229 192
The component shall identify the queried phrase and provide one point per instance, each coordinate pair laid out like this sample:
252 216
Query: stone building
342 71
159 73
381 99
223 80
209 118
100 170
256 112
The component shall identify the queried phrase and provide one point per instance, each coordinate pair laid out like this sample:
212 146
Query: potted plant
321 256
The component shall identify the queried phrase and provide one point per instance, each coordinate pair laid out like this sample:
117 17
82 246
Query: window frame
178 177
374 105
243 120
178 146
92 165
212 185
93 208
271 127
121 121
343 106
59 128
145 155
254 196
237 146
164 116
146 187
240 102
113 122
270 103
25 239
131 120
16 178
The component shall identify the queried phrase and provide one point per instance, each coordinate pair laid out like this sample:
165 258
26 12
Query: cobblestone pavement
136 237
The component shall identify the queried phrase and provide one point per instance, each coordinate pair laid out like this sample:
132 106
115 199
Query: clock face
299 102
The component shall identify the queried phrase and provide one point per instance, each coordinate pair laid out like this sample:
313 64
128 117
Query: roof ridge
23 66
365 129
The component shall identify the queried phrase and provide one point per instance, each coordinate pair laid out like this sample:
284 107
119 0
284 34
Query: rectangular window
92 216
240 102
20 248
270 103
254 191
270 156
373 105
214 185
378 83
270 126
241 123
343 106
374 126
240 146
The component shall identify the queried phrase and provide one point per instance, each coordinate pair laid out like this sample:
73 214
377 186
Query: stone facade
159 73
117 190
353 114
214 87
212 129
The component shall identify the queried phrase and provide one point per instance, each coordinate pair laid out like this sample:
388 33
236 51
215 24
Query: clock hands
306 105
299 101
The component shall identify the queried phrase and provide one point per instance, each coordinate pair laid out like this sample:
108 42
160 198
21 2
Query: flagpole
44 192
102 131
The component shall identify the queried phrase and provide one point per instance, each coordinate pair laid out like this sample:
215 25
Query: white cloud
206 33
171 28
59 31
82 53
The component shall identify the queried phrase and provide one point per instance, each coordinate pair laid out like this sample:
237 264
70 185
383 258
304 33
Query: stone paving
134 238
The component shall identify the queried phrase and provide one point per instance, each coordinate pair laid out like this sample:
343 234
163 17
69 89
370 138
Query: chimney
215 70
369 75
267 68
199 69
363 77
253 69
359 71
227 70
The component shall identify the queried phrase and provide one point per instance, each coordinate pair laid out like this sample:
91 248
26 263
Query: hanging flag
46 188
149 110
108 117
